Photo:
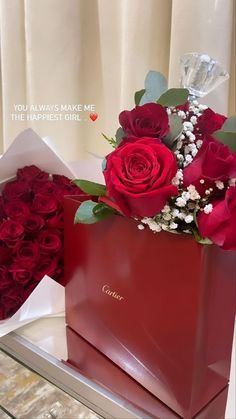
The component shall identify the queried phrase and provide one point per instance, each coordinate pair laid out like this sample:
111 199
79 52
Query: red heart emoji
93 116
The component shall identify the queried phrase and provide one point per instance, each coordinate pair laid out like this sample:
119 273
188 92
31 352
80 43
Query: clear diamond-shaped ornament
200 74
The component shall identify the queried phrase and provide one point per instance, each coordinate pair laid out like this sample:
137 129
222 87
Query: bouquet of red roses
31 234
173 169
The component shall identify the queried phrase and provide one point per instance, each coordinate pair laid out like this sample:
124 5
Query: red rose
61 180
47 266
26 254
33 223
213 162
138 176
17 210
5 279
20 275
57 221
16 190
10 232
44 204
5 253
47 188
31 173
220 225
149 120
210 121
49 242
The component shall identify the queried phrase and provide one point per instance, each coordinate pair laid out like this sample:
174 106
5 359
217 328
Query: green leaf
138 95
85 214
176 128
119 135
229 125
91 212
91 188
173 97
227 138
155 84
104 164
102 210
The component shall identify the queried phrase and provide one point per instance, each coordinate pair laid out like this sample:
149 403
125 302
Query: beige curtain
98 52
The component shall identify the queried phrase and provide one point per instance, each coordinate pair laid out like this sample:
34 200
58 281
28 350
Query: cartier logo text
106 290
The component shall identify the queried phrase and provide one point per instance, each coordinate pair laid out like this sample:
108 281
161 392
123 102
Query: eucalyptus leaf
85 214
91 188
102 211
227 138
155 84
104 164
119 135
173 97
176 128
138 95
229 125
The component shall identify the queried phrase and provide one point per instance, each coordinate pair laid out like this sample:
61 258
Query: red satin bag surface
160 306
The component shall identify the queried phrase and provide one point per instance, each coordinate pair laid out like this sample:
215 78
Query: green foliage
227 133
138 95
90 212
176 128
91 188
173 97
155 84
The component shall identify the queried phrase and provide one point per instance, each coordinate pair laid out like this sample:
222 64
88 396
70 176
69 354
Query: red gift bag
161 306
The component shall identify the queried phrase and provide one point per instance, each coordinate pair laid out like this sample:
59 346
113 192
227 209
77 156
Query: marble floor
26 395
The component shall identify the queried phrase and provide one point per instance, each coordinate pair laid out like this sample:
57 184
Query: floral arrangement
31 234
173 168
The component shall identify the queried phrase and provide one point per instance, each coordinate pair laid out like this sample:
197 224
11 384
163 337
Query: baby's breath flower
188 219
193 119
199 143
208 208
173 225
180 202
220 185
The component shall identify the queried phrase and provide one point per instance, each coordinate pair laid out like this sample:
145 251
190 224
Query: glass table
41 345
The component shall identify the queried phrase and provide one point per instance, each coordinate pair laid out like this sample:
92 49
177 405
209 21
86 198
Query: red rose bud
27 254
16 210
210 121
213 162
10 232
138 176
149 120
220 225
44 204
49 242
33 223
16 190
31 173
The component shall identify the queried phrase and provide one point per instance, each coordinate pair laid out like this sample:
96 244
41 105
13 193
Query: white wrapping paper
47 299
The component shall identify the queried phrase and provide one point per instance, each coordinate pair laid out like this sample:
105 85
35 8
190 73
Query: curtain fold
98 52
